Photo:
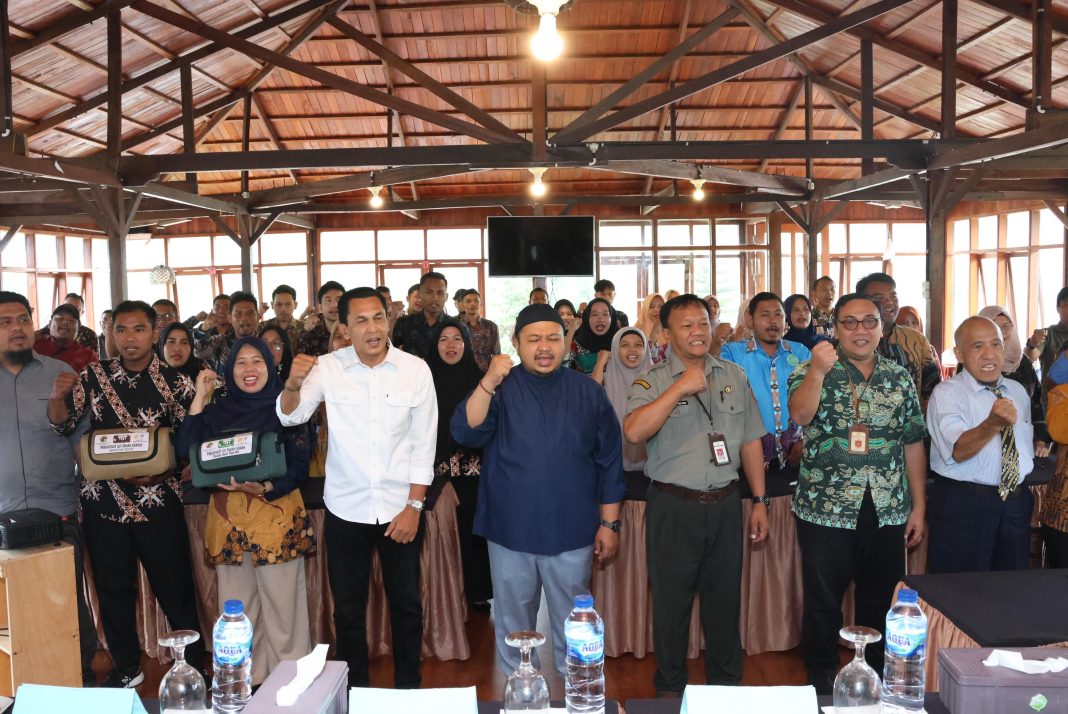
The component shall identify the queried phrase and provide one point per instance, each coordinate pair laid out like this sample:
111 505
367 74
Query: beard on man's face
19 357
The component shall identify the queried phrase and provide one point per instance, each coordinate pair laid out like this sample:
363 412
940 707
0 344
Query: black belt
689 494
979 488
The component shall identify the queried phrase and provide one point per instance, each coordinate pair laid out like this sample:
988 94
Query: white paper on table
745 700
873 709
1015 661
458 700
308 668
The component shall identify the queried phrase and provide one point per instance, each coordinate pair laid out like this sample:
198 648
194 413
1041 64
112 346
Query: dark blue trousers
970 529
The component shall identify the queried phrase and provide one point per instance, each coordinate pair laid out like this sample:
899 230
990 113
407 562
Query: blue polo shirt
751 357
552 454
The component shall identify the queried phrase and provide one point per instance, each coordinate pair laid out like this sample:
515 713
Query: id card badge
721 455
858 439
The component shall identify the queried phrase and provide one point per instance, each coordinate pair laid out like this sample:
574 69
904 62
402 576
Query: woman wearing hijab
599 325
567 312
649 323
617 370
799 318
176 348
257 533
456 375
1019 367
276 339
909 316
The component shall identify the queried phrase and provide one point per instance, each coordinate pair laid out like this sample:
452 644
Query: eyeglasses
852 323
276 345
165 316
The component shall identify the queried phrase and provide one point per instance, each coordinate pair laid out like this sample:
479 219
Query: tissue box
328 694
970 687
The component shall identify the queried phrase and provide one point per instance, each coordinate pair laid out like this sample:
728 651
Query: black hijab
804 335
585 337
287 352
568 304
193 365
240 411
452 382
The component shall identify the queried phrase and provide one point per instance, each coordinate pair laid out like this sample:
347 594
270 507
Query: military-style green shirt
831 486
679 453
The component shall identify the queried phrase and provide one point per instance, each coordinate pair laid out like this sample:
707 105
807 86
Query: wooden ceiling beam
784 123
712 174
882 105
758 59
666 62
270 131
1023 12
68 24
246 30
288 195
323 77
392 60
56 169
905 50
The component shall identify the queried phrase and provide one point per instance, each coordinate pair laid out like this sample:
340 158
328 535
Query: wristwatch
613 526
416 504
762 499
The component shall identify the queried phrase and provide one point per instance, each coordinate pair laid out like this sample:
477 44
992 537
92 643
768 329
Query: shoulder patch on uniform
642 383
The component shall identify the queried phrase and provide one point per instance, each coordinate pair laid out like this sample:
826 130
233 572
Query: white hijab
618 379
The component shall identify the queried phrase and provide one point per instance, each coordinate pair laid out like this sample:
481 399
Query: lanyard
857 399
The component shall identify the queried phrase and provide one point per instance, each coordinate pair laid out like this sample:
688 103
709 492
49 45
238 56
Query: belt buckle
707 497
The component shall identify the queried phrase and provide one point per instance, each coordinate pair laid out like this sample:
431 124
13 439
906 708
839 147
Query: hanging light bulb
376 197
538 188
547 44
698 191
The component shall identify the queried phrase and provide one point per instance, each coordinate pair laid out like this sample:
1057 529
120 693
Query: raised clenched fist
64 385
499 368
299 370
693 380
824 355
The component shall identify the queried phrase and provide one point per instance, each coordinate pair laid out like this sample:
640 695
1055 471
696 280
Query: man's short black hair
432 275
221 296
821 279
459 294
68 310
384 289
105 312
327 287
604 284
128 306
76 296
357 294
680 301
846 299
871 278
470 291
759 298
242 296
538 290
168 303
286 289
1062 295
413 289
6 296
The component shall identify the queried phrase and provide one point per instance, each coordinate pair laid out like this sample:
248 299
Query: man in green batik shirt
860 498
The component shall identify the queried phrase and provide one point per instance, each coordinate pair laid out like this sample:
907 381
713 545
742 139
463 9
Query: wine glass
857 685
526 689
182 688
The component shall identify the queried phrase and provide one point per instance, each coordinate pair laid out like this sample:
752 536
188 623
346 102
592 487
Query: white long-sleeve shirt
383 430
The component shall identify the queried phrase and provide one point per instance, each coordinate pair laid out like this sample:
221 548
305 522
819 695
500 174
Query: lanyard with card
858 432
717 443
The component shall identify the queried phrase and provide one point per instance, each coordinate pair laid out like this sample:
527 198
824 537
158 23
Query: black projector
29 527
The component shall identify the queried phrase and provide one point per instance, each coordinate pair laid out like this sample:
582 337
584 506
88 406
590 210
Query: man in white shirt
383 416
982 449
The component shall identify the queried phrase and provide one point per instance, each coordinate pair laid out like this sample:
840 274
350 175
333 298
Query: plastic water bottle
906 655
231 688
584 681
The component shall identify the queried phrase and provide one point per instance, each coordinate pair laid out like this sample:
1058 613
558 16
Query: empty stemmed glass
182 688
526 689
857 685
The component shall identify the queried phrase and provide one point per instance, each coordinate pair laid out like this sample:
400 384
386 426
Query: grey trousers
518 579
694 548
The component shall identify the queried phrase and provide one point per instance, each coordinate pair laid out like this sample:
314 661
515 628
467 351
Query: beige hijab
1013 348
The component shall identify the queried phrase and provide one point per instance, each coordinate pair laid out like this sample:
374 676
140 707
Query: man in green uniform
700 422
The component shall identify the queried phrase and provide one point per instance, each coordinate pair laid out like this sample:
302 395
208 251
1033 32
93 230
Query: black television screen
537 245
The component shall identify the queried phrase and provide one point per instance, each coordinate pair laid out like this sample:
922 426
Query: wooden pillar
812 262
117 266
808 122
189 136
313 264
114 49
867 104
949 70
935 216
775 277
5 75
245 244
1041 54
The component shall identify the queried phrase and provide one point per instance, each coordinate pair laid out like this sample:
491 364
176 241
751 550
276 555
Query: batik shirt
215 350
485 341
314 342
113 397
293 332
910 349
832 482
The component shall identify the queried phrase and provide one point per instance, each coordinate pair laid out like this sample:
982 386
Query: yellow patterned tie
1010 457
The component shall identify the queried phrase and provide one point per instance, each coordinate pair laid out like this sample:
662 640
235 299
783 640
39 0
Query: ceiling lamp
376 197
547 44
538 188
698 191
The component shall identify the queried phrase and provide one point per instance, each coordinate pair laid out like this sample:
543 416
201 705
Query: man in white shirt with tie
383 415
982 449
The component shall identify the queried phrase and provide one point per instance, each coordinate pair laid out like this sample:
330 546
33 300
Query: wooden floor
626 677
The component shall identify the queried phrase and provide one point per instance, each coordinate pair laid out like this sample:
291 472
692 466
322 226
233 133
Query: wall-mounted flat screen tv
540 245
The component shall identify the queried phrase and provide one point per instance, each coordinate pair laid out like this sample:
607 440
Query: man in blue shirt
768 361
982 449
552 479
